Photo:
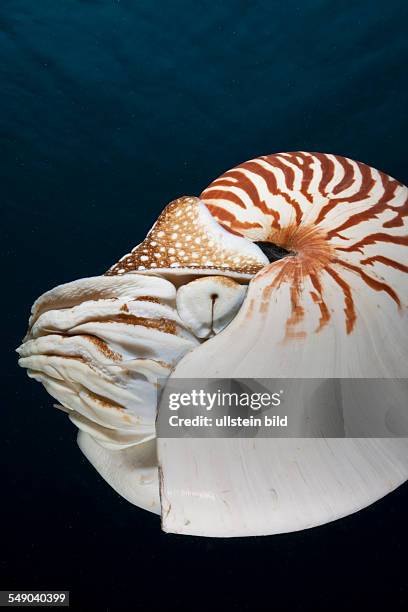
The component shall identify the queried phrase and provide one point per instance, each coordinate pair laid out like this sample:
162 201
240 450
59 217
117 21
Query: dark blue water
108 110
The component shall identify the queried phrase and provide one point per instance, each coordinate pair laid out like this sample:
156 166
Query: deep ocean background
109 110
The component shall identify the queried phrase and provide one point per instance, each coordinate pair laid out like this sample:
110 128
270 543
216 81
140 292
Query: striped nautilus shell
289 265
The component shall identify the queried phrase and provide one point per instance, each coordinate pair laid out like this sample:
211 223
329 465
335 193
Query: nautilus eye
288 266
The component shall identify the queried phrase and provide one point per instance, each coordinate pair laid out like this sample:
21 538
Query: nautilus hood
289 265
187 239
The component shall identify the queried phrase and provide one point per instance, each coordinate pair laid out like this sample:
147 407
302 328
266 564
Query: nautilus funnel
291 265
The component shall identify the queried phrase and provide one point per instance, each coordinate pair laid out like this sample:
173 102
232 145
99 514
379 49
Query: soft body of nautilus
289 265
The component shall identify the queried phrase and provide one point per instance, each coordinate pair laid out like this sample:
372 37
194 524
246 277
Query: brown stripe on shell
288 172
373 239
230 222
349 309
217 193
298 311
367 183
386 261
272 186
327 167
390 186
318 299
246 185
370 281
348 177
401 212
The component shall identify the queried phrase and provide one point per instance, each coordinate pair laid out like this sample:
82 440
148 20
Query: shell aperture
299 262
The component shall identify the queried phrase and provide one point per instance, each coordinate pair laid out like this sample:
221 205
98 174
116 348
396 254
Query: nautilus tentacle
288 266
99 345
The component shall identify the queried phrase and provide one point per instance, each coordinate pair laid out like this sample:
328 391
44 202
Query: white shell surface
236 487
243 487
335 308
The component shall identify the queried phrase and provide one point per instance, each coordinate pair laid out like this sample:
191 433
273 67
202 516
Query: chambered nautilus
288 265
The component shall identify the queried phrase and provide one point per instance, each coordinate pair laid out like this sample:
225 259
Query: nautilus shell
289 265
